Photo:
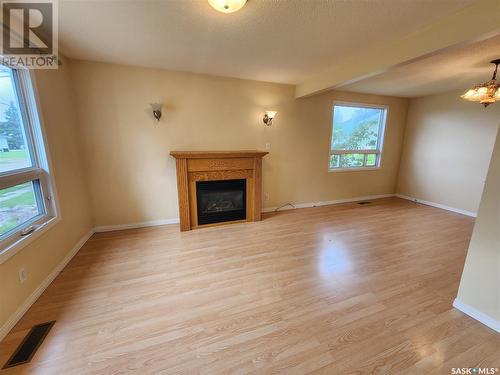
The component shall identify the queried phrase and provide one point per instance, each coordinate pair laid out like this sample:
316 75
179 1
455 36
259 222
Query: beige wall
132 176
447 150
42 256
480 284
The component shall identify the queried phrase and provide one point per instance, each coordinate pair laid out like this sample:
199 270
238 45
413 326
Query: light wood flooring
345 289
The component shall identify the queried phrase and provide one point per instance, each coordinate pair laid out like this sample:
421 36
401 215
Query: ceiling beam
471 24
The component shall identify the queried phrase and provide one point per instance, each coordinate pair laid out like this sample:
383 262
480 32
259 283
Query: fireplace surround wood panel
195 166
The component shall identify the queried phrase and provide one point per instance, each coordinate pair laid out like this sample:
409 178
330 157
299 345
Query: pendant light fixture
485 93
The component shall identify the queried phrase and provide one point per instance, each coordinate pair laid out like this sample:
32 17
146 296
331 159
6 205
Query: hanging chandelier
485 93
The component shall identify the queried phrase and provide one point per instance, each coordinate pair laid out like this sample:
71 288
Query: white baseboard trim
21 310
438 205
109 228
326 203
476 314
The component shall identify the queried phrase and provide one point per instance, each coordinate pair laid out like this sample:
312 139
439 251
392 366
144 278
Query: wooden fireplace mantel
217 154
193 166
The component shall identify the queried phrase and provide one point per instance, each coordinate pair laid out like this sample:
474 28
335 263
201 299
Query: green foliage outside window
356 128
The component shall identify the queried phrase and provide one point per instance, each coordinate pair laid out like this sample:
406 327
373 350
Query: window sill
22 242
358 169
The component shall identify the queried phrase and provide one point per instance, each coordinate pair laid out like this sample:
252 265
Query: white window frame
381 138
13 241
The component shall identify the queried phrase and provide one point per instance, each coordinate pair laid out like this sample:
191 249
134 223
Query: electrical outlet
266 197
268 146
22 275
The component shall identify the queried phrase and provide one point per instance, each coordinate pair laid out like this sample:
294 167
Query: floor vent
27 349
365 202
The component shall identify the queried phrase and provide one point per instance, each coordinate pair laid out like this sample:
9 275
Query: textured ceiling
269 40
452 69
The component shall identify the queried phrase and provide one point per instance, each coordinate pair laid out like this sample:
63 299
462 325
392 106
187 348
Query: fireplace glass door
220 200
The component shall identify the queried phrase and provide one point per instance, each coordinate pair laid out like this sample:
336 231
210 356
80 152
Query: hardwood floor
330 290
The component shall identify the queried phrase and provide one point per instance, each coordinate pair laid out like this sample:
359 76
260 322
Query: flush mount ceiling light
485 93
227 6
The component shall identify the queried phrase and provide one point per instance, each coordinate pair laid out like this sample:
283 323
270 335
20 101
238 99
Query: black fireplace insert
221 200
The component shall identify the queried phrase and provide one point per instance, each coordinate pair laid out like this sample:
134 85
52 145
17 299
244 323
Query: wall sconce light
268 117
156 107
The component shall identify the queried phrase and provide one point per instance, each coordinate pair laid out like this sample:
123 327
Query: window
26 199
357 136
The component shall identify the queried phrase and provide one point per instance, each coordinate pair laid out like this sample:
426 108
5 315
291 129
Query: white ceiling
269 40
452 69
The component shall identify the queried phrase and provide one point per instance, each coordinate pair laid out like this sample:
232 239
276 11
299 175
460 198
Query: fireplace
218 187
221 200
